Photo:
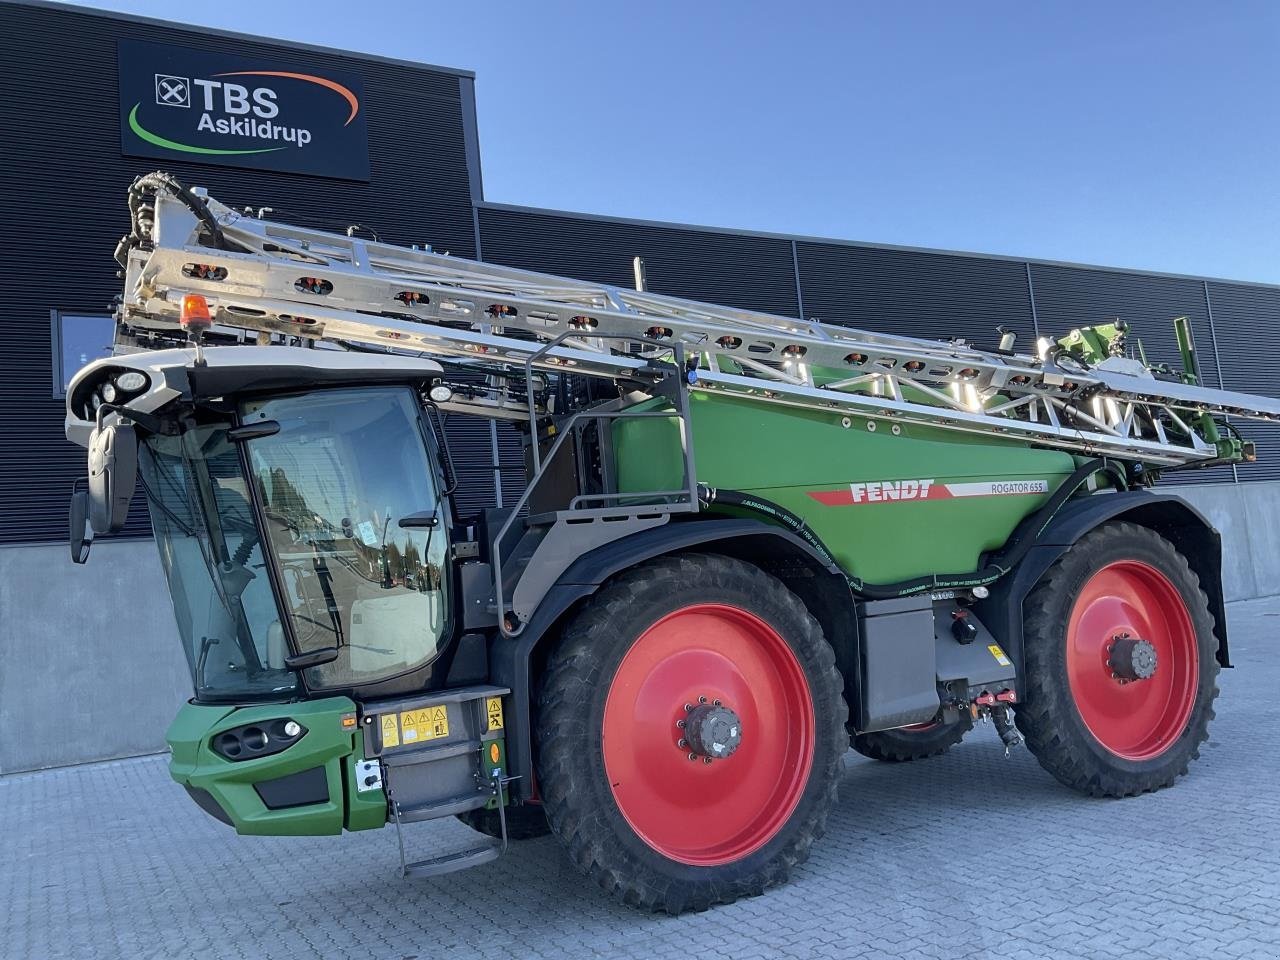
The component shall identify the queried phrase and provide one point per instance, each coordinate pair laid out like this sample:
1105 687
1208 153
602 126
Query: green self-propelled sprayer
745 542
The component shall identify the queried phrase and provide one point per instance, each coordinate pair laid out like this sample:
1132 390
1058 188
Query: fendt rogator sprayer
745 541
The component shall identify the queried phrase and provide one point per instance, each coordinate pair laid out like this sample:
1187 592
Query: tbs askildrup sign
179 103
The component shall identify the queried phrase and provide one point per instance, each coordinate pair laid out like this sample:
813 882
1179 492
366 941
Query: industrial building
331 138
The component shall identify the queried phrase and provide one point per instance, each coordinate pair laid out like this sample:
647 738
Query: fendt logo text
896 491
241 111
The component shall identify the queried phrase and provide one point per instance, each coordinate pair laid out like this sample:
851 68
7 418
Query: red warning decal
896 491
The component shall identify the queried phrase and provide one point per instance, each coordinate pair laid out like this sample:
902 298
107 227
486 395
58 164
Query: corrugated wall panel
62 200
753 273
737 270
1246 321
914 293
1068 297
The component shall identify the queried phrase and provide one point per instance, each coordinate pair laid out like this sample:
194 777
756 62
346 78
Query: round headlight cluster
120 387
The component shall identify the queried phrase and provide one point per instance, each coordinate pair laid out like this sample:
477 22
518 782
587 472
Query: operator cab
298 505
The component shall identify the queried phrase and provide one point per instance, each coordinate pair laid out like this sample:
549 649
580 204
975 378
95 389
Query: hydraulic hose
196 204
994 567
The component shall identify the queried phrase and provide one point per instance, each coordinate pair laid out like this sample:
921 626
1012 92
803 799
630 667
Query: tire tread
1040 719
566 685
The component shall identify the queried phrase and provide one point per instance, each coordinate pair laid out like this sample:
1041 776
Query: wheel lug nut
702 699
680 724
688 708
707 761
717 703
683 743
693 756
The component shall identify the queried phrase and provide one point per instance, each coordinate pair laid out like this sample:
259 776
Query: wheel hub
1130 658
712 730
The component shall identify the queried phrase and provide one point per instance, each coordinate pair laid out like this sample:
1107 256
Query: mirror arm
146 421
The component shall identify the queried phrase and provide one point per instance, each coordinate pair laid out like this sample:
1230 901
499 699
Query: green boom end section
306 789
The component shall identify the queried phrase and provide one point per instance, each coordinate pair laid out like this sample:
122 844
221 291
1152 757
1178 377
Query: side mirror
113 472
81 534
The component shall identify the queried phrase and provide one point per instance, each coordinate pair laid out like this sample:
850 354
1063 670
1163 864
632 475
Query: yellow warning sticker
427 723
493 706
390 732
999 655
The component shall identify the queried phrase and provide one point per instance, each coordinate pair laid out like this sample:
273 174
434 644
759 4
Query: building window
78 339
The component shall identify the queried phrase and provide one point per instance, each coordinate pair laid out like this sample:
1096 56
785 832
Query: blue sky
1138 134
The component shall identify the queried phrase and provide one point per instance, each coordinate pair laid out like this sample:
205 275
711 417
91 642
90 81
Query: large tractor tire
915 742
1120 672
690 731
527 822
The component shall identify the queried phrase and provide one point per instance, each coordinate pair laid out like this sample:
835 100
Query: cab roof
228 370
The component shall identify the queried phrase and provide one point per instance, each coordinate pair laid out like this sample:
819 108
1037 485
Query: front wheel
1119 664
690 731
916 742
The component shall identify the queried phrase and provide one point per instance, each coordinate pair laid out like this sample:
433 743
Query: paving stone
965 857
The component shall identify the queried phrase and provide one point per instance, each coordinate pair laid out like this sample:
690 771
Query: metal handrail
567 429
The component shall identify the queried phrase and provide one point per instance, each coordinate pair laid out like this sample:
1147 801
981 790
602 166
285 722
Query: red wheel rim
691 811
1138 719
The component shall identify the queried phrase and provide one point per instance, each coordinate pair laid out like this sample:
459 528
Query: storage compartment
898 682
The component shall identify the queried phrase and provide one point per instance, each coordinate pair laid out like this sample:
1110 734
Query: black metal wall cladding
62 203
918 294
754 273
1246 319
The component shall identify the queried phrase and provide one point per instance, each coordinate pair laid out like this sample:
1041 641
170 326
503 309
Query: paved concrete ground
965 856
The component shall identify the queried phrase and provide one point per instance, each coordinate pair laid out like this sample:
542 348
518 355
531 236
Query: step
431 754
450 862
446 808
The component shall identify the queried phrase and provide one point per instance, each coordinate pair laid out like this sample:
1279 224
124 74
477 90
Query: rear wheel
915 742
690 729
1120 668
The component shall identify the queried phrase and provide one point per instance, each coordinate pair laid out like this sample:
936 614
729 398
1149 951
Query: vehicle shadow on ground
881 807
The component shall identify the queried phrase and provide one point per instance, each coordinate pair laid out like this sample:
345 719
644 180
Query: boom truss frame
274 278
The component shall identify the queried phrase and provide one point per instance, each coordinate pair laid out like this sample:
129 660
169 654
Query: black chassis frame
514 662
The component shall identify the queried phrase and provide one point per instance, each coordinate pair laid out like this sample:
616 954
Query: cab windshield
356 527
355 558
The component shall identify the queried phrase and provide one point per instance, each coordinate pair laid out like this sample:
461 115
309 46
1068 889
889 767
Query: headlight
108 391
257 739
131 381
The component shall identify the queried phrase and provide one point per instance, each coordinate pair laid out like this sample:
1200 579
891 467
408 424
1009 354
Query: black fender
1166 513
513 660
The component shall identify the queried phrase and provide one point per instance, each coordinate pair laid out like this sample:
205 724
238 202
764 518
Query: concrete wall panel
90 664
